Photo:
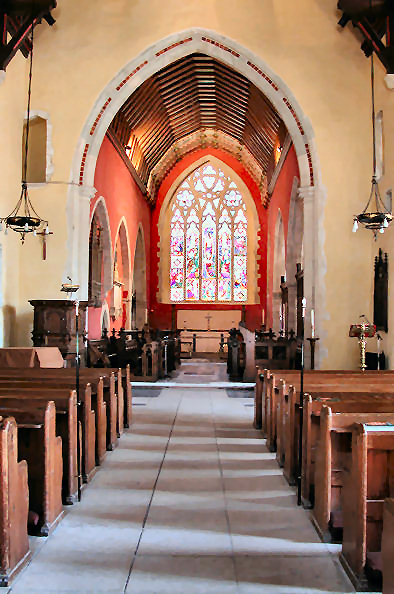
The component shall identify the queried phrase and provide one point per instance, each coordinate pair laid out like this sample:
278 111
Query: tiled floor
190 502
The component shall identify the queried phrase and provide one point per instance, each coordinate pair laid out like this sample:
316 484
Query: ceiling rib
192 96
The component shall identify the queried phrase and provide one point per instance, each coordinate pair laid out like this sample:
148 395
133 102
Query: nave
190 501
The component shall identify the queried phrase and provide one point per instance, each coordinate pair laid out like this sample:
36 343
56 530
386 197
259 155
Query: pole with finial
301 405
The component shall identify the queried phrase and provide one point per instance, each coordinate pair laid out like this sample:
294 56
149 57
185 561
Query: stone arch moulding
228 51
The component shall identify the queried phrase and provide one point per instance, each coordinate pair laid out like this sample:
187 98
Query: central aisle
191 501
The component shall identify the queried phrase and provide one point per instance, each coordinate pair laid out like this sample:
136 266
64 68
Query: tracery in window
208 246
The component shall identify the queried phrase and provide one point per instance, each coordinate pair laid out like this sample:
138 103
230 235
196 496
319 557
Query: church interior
195 322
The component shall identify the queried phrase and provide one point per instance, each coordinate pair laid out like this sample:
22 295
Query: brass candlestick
313 346
362 343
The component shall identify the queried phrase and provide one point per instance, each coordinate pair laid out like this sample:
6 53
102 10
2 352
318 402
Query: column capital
389 80
307 193
86 192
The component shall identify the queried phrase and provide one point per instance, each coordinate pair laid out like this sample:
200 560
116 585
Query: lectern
362 331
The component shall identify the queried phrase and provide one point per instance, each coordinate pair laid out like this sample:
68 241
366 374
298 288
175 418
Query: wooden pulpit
54 325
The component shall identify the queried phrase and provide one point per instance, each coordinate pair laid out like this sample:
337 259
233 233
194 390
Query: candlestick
313 323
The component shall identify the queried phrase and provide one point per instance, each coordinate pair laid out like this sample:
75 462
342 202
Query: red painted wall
160 313
123 198
280 200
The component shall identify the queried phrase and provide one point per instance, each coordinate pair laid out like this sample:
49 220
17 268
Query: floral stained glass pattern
208 244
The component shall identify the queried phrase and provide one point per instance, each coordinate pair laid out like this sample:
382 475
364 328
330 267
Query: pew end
14 504
369 482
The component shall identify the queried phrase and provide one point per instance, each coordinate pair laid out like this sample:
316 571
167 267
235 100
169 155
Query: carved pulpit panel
380 297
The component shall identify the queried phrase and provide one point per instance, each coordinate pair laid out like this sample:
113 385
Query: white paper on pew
378 428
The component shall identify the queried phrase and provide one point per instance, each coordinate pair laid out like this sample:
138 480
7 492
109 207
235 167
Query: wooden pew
312 380
106 390
39 446
87 374
289 410
333 458
14 504
369 482
86 415
66 427
322 382
291 423
388 547
339 402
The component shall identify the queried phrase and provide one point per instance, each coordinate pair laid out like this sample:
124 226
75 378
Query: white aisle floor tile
190 501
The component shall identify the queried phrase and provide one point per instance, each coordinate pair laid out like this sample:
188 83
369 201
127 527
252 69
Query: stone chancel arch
240 59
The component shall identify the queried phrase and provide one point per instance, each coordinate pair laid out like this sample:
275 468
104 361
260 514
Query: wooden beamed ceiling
193 95
375 20
17 17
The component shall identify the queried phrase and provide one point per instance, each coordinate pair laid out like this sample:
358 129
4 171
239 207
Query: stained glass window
208 239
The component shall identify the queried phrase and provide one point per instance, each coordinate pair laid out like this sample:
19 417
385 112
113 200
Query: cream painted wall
385 101
12 109
322 65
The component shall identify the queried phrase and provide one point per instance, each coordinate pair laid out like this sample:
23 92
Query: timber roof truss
17 17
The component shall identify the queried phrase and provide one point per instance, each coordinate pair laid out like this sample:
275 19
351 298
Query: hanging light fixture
23 219
376 220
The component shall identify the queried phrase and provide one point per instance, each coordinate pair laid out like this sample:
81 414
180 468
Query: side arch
139 292
123 236
100 213
279 270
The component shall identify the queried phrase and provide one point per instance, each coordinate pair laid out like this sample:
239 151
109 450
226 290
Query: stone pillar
311 266
78 219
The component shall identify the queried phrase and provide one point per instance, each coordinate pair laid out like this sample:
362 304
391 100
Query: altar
205 330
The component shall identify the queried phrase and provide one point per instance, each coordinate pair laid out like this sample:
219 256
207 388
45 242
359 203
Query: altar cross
208 317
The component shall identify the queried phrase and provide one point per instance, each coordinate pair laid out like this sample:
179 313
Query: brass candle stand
362 331
313 347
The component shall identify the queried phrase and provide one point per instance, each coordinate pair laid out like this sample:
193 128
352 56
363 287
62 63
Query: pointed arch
100 235
279 270
122 240
139 290
139 69
164 227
